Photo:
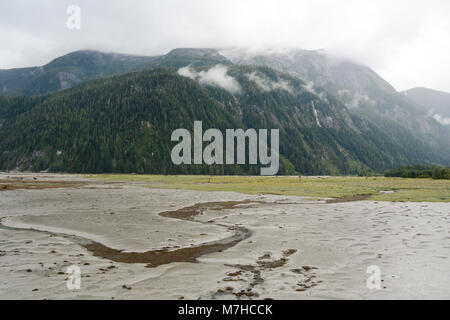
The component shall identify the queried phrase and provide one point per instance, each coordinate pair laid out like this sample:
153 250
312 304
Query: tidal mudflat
147 237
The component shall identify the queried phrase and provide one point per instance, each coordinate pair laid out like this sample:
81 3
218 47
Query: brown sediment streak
188 213
350 199
159 257
19 184
156 258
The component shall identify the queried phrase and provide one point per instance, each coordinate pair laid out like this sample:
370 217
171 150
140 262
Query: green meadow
416 190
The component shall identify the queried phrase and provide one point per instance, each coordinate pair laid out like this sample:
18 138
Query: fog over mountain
405 41
334 116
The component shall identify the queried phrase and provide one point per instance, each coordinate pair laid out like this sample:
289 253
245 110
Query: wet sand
137 243
349 199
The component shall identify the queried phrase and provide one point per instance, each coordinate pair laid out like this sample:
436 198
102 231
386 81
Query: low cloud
268 85
310 87
354 100
216 76
441 119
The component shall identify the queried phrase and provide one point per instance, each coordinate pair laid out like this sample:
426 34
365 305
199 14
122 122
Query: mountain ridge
322 132
435 102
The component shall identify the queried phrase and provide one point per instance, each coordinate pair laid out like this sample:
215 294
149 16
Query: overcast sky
406 41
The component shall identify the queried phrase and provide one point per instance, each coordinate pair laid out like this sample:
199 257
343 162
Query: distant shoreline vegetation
420 172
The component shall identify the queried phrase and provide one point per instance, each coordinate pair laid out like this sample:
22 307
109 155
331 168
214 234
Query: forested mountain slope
362 90
71 69
335 117
67 71
124 124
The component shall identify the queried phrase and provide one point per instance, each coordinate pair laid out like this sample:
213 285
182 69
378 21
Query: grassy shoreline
405 190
